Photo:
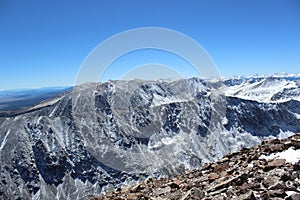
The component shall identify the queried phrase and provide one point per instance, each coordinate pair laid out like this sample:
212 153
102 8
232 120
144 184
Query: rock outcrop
249 174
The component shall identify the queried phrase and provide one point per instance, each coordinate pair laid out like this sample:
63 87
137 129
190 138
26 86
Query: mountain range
96 137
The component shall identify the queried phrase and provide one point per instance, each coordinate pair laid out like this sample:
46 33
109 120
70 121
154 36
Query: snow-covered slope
265 89
101 135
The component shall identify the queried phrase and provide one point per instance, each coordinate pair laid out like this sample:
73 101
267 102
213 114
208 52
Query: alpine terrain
267 171
100 136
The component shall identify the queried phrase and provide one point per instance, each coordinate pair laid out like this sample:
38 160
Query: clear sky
43 43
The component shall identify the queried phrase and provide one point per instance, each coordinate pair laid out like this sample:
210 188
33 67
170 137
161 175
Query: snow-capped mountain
264 89
102 135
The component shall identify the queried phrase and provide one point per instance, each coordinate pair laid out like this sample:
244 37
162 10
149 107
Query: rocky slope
267 171
100 136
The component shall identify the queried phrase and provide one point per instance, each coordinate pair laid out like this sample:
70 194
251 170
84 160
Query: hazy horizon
283 74
44 44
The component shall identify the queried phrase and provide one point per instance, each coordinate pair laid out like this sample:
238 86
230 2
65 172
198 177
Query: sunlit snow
291 155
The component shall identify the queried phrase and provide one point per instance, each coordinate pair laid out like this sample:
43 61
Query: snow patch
160 100
4 140
46 103
291 155
285 134
297 115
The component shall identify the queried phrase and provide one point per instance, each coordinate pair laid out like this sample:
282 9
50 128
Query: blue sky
43 43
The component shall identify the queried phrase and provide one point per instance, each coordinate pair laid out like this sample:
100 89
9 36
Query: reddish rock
276 163
248 186
276 147
256 162
213 176
221 167
205 183
223 160
223 174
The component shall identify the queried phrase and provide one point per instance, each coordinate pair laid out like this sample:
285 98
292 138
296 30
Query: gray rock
101 136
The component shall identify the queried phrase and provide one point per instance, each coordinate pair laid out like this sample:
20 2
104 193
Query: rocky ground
251 173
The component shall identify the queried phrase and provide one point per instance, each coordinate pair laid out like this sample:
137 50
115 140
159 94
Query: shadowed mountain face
100 136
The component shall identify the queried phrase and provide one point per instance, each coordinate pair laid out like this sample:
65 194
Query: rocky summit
101 136
267 171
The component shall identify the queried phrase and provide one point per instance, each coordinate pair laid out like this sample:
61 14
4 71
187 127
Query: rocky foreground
267 171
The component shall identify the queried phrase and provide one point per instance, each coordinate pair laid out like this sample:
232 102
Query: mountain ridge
100 136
